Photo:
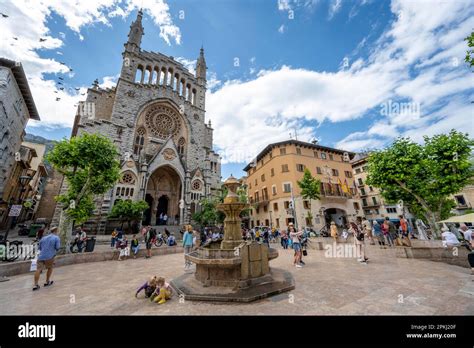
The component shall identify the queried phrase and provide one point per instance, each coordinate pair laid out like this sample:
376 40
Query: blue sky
323 68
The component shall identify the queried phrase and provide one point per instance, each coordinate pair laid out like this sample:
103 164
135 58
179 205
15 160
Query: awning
460 218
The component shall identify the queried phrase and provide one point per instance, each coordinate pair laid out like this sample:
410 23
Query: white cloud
188 64
334 8
28 22
109 81
411 61
282 29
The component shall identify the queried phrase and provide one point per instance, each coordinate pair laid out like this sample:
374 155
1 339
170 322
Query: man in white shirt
449 238
466 232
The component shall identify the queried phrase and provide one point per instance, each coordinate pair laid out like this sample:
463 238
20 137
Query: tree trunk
65 230
432 221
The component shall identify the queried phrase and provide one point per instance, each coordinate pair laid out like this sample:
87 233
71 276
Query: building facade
464 200
371 203
38 180
275 196
16 108
155 115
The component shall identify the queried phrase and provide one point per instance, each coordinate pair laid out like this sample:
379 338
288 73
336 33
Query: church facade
155 115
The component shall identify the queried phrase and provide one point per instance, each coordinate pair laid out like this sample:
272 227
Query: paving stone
325 286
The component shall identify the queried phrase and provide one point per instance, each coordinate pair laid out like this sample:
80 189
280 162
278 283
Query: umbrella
460 218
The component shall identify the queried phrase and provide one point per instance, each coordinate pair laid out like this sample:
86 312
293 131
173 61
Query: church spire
136 33
201 65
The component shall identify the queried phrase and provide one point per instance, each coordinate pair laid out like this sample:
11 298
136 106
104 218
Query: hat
290 224
333 223
53 228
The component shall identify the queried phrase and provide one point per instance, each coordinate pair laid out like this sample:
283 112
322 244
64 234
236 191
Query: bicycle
160 239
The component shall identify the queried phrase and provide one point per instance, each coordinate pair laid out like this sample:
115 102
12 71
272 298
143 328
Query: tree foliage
423 176
128 211
209 215
309 185
470 52
90 166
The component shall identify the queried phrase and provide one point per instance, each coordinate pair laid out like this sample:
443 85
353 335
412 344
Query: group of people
149 234
79 241
163 219
156 289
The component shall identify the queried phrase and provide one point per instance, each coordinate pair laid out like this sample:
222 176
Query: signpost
15 210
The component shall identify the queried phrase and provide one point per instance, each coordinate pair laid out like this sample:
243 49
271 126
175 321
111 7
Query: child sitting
123 247
162 292
149 287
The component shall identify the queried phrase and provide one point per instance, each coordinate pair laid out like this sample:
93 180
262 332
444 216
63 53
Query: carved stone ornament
162 121
169 154
131 94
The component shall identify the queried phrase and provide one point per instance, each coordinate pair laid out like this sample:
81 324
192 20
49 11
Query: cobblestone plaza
325 286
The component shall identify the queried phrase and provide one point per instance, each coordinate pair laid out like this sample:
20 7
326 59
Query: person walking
160 220
188 245
404 231
284 239
386 231
333 229
165 219
367 226
149 238
48 247
359 243
378 234
296 244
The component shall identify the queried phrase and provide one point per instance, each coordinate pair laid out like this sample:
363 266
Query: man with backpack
149 239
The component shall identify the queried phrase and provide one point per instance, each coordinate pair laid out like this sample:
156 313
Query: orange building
275 196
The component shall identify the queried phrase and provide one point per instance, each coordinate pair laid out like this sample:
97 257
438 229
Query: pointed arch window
139 141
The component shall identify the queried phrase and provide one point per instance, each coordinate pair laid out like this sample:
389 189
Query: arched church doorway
162 207
165 188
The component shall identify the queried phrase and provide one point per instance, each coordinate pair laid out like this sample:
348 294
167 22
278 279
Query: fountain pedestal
233 269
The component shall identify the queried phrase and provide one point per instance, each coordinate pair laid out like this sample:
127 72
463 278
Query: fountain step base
191 289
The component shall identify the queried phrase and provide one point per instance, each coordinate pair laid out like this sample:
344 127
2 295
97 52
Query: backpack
359 235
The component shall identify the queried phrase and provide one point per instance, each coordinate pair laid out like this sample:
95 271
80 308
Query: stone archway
339 216
165 188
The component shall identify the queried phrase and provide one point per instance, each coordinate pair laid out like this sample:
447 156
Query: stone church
156 117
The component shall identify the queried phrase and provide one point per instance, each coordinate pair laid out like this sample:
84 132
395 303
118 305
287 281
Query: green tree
208 215
423 177
128 211
470 52
90 167
309 185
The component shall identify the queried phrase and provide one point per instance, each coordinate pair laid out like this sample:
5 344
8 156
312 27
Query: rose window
196 185
162 121
128 179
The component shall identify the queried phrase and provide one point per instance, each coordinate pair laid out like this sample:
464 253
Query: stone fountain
232 269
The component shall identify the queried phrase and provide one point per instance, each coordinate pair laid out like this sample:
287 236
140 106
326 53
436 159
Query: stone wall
13 118
47 204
